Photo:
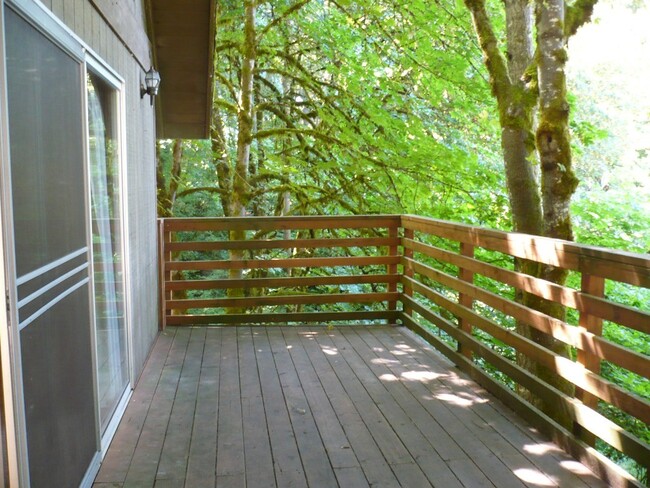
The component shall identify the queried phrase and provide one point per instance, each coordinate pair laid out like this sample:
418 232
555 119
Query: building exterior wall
122 48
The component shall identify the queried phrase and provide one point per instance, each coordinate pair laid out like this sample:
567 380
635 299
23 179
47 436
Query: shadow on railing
456 284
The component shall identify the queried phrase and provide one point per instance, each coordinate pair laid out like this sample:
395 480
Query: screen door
45 88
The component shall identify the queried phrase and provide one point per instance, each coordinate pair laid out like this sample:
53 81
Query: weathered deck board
125 440
317 465
501 421
231 469
360 441
203 448
256 434
297 407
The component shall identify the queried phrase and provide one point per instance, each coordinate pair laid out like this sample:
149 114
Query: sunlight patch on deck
454 400
405 347
384 361
422 376
541 449
330 351
533 477
458 400
575 467
388 377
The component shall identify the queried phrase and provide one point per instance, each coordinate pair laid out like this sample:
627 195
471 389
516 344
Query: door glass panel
46 148
46 143
112 364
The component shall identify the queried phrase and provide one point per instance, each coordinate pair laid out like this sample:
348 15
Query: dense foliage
364 107
384 106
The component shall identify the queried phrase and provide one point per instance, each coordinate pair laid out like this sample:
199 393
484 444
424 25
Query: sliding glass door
65 247
110 323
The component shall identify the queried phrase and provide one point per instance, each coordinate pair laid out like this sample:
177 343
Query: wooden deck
320 407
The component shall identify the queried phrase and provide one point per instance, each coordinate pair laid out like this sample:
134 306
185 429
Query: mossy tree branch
577 15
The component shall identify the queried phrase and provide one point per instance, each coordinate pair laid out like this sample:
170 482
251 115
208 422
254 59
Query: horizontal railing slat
284 318
283 282
281 223
282 244
241 302
282 263
616 265
598 307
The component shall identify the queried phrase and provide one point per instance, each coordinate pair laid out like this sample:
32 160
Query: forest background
387 106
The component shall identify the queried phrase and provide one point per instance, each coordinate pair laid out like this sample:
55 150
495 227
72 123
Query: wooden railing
441 300
290 266
456 288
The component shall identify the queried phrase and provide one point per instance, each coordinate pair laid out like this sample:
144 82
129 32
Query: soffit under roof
182 32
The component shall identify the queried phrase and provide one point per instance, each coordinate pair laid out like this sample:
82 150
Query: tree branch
294 8
263 134
231 107
494 60
207 189
577 15
226 82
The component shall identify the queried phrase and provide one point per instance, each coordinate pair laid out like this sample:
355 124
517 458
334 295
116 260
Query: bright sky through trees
609 72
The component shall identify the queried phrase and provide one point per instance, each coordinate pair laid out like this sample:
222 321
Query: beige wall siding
83 17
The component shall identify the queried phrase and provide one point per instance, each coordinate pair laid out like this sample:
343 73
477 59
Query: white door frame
14 404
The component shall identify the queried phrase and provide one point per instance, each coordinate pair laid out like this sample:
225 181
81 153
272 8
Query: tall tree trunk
553 143
558 181
166 191
221 162
244 114
516 101
240 184
537 211
517 121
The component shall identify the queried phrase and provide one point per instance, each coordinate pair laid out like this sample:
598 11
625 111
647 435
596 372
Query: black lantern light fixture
151 84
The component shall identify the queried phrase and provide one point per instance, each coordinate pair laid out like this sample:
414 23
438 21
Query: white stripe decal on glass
51 285
50 304
37 272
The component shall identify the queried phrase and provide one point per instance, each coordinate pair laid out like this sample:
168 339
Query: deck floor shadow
320 407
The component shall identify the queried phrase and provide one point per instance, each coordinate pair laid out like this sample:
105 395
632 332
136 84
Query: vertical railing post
163 256
466 249
392 268
408 269
595 286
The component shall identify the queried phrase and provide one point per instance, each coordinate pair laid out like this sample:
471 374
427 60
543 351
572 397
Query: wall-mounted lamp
151 84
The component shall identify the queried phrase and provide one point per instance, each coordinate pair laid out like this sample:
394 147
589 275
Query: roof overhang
182 34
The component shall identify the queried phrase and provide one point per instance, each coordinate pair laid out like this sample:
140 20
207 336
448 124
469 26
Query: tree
350 115
168 191
530 85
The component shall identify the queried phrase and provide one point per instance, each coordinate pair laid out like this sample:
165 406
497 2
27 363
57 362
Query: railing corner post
409 234
162 276
594 286
392 268
466 249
